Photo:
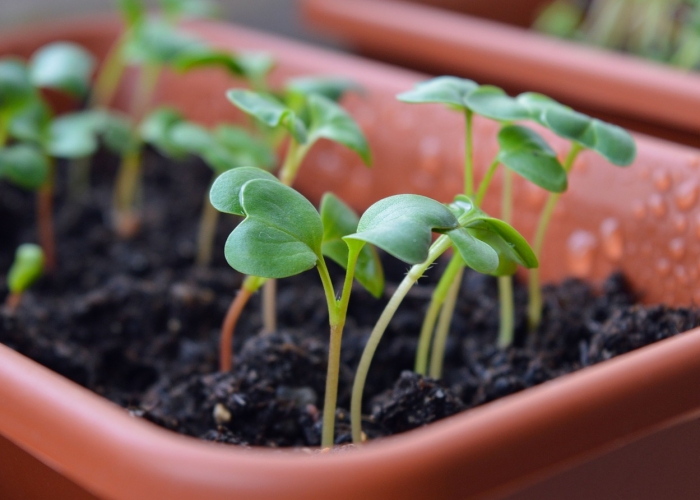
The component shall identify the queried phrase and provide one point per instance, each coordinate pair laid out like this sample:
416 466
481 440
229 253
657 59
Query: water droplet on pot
680 223
687 195
613 243
681 275
657 205
639 210
677 248
430 154
662 180
581 252
663 266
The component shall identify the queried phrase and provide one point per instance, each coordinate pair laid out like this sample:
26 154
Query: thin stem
110 75
270 306
443 327
437 248
78 178
44 198
207 232
3 129
534 309
436 301
337 314
12 302
126 191
506 331
486 182
147 85
250 285
468 153
292 162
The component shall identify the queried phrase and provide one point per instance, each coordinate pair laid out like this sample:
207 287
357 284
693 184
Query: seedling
222 148
402 225
283 235
521 150
26 120
315 117
27 267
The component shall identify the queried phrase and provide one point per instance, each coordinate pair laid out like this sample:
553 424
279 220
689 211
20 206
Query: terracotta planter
645 221
645 96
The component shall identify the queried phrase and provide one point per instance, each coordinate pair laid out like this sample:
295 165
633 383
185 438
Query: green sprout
610 141
30 137
314 117
26 269
402 226
521 150
283 235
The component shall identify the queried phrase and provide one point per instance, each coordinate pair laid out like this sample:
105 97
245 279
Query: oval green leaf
281 235
614 143
330 87
24 165
448 90
15 85
155 130
27 267
62 66
516 247
492 102
402 225
225 192
268 110
476 254
74 135
30 122
329 121
571 125
340 220
525 152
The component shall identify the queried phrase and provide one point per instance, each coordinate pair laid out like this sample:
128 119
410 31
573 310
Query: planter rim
606 79
59 422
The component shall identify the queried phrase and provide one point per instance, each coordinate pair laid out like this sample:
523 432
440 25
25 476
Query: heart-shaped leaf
62 66
448 90
340 220
537 104
74 135
571 125
24 165
226 189
256 66
155 130
158 43
269 111
492 102
116 130
476 254
27 267
30 122
516 247
281 235
402 225
525 152
15 85
329 121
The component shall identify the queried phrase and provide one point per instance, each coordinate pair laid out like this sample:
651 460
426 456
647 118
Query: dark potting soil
138 323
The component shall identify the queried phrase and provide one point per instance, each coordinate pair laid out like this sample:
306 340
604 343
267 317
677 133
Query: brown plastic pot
635 93
62 439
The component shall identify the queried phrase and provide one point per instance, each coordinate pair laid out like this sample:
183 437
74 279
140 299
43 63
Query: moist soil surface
138 323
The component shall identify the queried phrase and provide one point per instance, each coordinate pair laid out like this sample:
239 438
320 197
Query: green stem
337 311
4 121
126 192
486 182
437 248
468 153
147 84
443 327
207 232
292 161
506 332
534 309
110 75
436 301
